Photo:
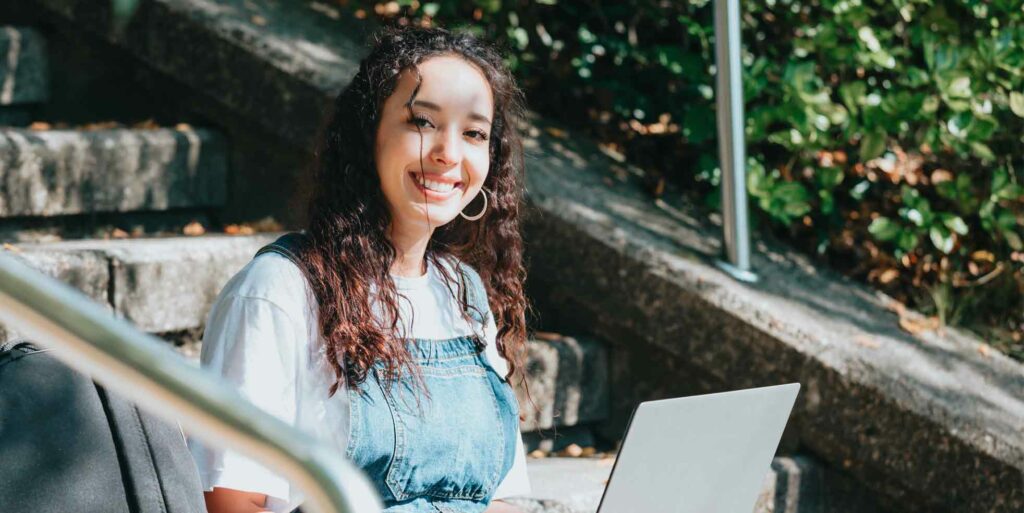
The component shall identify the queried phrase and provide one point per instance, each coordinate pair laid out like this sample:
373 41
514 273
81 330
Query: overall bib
439 444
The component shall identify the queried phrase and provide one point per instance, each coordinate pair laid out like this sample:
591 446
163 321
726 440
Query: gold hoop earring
483 192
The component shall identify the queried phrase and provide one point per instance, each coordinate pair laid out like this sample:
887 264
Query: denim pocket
449 443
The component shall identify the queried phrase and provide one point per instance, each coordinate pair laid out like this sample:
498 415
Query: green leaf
827 204
982 151
1014 240
909 196
960 86
907 240
858 191
829 177
872 144
913 215
853 94
959 124
1012 192
955 223
1006 220
917 77
944 57
1000 179
941 238
884 229
1017 103
790 192
982 128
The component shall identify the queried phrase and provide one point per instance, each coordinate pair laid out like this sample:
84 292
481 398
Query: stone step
24 76
568 382
62 172
794 484
160 285
167 286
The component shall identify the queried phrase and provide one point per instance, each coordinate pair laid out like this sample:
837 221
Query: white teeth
436 186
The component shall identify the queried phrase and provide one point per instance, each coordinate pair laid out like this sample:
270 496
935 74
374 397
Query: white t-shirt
260 338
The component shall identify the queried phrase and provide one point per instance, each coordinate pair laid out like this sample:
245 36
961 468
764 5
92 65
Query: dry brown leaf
984 349
888 276
326 10
118 233
556 132
11 247
896 306
588 452
237 229
572 451
183 127
941 175
267 224
915 325
659 187
983 256
148 124
193 229
547 336
101 125
866 341
39 125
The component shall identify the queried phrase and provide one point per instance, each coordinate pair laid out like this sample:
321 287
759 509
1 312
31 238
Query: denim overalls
444 453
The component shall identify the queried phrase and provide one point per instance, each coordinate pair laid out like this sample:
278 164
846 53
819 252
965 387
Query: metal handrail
731 141
143 369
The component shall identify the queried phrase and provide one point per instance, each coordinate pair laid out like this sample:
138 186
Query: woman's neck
410 246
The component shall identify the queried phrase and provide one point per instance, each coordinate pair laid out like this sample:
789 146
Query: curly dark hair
348 255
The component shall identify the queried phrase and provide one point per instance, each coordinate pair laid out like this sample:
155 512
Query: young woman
392 327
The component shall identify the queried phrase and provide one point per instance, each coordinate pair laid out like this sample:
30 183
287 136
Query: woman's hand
227 500
498 506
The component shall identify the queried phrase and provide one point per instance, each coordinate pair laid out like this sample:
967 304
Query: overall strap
288 245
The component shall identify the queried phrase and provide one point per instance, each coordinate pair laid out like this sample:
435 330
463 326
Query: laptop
700 454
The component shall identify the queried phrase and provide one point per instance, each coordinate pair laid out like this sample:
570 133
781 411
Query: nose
447 149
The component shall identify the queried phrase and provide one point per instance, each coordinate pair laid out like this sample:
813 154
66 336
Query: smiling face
447 130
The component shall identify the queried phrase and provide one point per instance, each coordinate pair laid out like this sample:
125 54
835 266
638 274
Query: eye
420 122
479 135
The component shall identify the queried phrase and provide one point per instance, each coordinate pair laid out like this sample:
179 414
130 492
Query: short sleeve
249 342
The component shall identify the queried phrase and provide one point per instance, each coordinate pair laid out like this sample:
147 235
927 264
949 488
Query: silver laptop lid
701 454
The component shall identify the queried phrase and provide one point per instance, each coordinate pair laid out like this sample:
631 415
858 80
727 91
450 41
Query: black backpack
68 445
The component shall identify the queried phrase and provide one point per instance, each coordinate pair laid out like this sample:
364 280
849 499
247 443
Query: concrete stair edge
62 172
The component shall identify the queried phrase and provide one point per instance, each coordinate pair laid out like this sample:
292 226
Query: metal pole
731 141
144 370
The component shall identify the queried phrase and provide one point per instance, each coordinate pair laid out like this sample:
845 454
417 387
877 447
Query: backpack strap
288 245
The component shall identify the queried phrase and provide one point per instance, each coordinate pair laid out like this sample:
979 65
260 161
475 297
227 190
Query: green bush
882 134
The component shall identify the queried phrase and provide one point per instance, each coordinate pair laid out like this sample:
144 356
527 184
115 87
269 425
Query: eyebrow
437 108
